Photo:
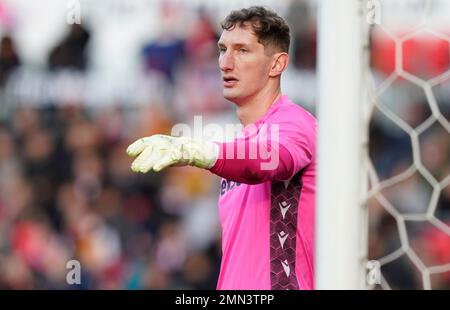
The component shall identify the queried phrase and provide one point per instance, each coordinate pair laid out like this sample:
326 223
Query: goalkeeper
267 199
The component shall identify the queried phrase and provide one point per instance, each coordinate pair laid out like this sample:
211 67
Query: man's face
243 63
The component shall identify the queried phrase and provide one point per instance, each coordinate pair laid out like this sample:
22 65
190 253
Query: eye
243 50
222 49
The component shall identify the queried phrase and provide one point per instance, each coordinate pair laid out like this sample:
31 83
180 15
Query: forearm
269 161
243 160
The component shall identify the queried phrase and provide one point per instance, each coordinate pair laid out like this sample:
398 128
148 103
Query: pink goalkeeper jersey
268 226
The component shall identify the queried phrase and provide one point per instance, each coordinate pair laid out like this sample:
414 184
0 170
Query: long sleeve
271 162
282 144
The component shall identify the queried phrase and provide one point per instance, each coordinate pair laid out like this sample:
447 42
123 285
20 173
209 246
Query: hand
160 151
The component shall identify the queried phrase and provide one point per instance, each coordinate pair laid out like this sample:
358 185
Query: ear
279 64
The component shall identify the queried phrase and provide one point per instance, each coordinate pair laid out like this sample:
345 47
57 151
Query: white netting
408 194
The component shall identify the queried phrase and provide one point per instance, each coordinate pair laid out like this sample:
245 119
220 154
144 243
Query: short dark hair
268 26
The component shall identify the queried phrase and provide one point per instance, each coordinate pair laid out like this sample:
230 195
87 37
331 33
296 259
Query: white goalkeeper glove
160 151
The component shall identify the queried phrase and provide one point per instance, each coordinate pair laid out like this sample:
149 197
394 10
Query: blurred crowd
413 212
66 188
67 191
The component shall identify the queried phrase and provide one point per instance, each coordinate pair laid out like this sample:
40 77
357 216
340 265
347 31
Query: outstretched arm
268 161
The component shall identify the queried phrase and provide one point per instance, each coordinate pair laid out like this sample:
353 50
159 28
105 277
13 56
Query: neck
253 108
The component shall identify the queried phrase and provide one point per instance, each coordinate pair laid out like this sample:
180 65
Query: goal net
384 145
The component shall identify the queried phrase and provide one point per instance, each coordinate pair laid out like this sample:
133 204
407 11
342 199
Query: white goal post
341 226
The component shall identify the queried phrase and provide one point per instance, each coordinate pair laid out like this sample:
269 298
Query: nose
226 61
